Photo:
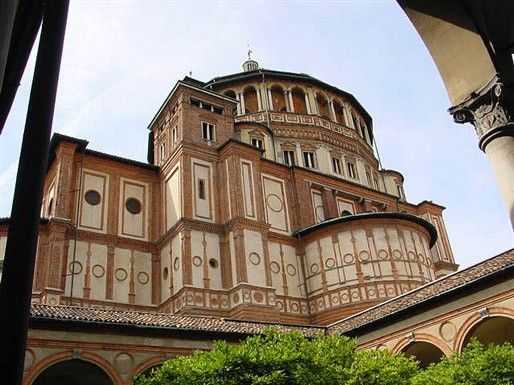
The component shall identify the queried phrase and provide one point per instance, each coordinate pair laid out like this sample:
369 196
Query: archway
299 101
250 100
230 94
338 109
323 106
278 99
424 352
493 330
73 372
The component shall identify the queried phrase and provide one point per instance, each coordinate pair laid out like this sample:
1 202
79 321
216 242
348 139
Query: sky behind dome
121 58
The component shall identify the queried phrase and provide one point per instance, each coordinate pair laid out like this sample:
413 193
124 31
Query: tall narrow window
208 131
308 159
375 181
201 188
368 177
289 158
258 143
352 172
163 151
336 166
174 136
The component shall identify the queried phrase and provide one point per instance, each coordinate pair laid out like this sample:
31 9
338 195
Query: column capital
490 110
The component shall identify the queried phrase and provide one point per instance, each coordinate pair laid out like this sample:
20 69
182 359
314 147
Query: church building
263 203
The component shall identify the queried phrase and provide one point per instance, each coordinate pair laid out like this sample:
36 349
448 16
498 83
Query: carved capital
490 110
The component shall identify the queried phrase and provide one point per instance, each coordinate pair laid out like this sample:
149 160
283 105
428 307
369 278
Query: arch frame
147 364
422 337
475 319
56 358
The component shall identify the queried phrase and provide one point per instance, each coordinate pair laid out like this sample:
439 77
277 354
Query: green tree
285 359
476 365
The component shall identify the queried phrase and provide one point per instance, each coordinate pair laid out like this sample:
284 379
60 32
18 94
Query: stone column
332 110
290 98
242 102
270 100
491 111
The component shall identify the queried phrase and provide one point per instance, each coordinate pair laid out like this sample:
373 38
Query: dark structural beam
16 285
28 15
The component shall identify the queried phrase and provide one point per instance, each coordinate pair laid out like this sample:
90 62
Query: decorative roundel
447 330
143 278
382 254
258 297
397 254
165 273
390 291
429 261
274 202
92 197
348 259
291 270
176 264
120 274
98 271
275 267
197 261
412 256
330 263
371 292
364 256
421 258
133 206
75 267
314 268
254 258
213 262
294 307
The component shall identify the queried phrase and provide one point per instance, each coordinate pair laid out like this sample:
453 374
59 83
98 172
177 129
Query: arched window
250 100
76 372
299 101
323 106
492 330
338 109
345 213
230 94
278 98
424 352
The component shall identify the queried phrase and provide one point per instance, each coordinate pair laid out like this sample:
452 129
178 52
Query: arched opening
345 213
299 101
250 100
424 352
278 99
493 330
323 106
73 372
148 371
338 109
230 94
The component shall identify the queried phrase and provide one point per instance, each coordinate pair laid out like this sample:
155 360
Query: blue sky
121 58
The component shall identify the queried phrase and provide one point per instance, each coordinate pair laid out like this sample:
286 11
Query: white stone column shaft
500 152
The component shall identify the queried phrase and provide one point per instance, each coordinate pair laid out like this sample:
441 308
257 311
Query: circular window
92 197
133 206
213 263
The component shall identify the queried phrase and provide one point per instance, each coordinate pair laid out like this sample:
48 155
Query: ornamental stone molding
490 110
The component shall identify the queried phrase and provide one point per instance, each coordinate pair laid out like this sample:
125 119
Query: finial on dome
250 64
